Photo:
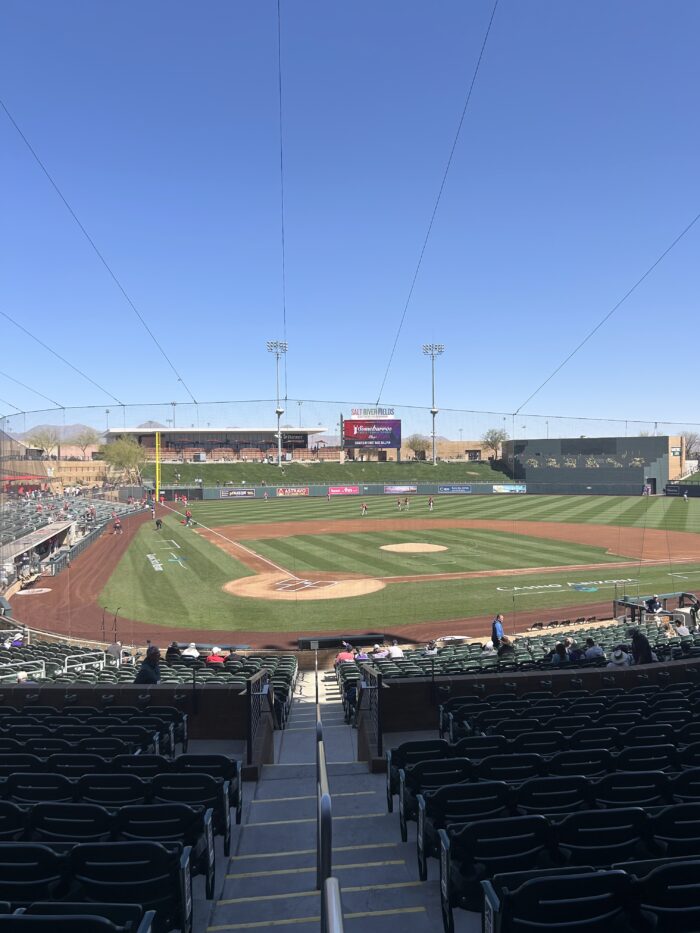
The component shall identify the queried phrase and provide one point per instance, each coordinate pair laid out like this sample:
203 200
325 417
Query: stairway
271 879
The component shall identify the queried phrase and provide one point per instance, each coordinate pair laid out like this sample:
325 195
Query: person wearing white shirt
191 651
394 650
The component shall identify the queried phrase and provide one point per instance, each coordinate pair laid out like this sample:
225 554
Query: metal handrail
256 700
332 916
91 658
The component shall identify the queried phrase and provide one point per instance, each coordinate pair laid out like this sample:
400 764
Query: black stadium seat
632 789
603 837
407 754
551 795
122 918
677 830
670 896
590 902
112 790
455 804
146 873
30 872
38 786
70 822
425 777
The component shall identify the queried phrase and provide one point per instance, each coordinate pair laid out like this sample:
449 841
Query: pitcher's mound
412 548
313 585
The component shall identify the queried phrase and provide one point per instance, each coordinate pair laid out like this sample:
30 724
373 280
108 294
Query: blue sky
576 167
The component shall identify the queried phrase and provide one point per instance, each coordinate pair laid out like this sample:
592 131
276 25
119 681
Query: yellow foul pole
157 466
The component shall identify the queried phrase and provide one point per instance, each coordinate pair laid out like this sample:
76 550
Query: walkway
271 877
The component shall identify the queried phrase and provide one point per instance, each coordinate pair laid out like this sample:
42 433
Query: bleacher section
555 809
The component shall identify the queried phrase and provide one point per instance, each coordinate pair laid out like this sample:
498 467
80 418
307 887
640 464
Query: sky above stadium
575 168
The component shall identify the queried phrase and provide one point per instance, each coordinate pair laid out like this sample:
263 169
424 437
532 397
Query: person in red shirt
216 657
346 654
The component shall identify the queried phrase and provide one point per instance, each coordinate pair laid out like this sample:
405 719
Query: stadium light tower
432 350
279 348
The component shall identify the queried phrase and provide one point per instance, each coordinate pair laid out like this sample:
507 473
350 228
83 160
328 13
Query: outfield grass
467 550
322 472
641 511
191 597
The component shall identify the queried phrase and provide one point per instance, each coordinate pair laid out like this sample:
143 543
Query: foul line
213 531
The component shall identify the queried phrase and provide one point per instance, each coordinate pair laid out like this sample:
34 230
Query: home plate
417 547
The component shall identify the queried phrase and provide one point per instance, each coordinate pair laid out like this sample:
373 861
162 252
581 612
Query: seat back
64 822
602 837
553 795
593 902
588 762
510 768
632 789
112 790
29 872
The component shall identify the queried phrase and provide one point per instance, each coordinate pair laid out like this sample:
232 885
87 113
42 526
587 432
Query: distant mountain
151 426
64 432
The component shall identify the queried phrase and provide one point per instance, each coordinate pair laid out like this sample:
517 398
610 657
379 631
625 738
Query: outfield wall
399 490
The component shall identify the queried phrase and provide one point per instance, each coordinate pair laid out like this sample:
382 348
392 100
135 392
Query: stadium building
221 444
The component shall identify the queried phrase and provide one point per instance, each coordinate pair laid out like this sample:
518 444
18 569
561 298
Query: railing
92 659
368 716
332 910
9 671
259 705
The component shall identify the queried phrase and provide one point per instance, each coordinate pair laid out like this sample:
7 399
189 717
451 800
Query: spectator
173 653
430 649
191 651
347 654
619 658
215 657
17 640
361 655
379 652
149 672
115 651
592 650
681 628
641 649
488 647
506 649
497 631
23 679
653 604
559 655
394 650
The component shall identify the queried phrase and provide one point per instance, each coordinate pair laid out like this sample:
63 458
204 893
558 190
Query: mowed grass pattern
467 550
641 511
193 599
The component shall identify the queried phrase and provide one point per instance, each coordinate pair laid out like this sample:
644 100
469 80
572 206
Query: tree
692 444
125 456
418 443
493 439
46 439
87 438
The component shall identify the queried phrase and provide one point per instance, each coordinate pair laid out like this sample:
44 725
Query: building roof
119 432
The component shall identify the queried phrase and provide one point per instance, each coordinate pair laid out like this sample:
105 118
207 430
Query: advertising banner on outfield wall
455 490
366 433
292 491
399 490
343 490
238 492
510 487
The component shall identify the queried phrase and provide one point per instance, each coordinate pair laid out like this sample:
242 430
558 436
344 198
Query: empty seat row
61 823
219 767
478 851
72 917
155 876
453 805
663 896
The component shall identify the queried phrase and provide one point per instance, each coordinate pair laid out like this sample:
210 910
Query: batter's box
298 586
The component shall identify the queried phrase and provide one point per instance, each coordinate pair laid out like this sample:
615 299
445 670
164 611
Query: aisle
271 878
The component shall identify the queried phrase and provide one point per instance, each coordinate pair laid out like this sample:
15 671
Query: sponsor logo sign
238 492
291 491
372 433
455 490
399 490
510 487
372 413
343 490
584 586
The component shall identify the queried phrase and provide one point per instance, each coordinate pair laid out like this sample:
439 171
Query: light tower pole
279 348
432 350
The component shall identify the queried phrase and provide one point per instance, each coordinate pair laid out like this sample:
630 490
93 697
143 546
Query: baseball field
261 572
